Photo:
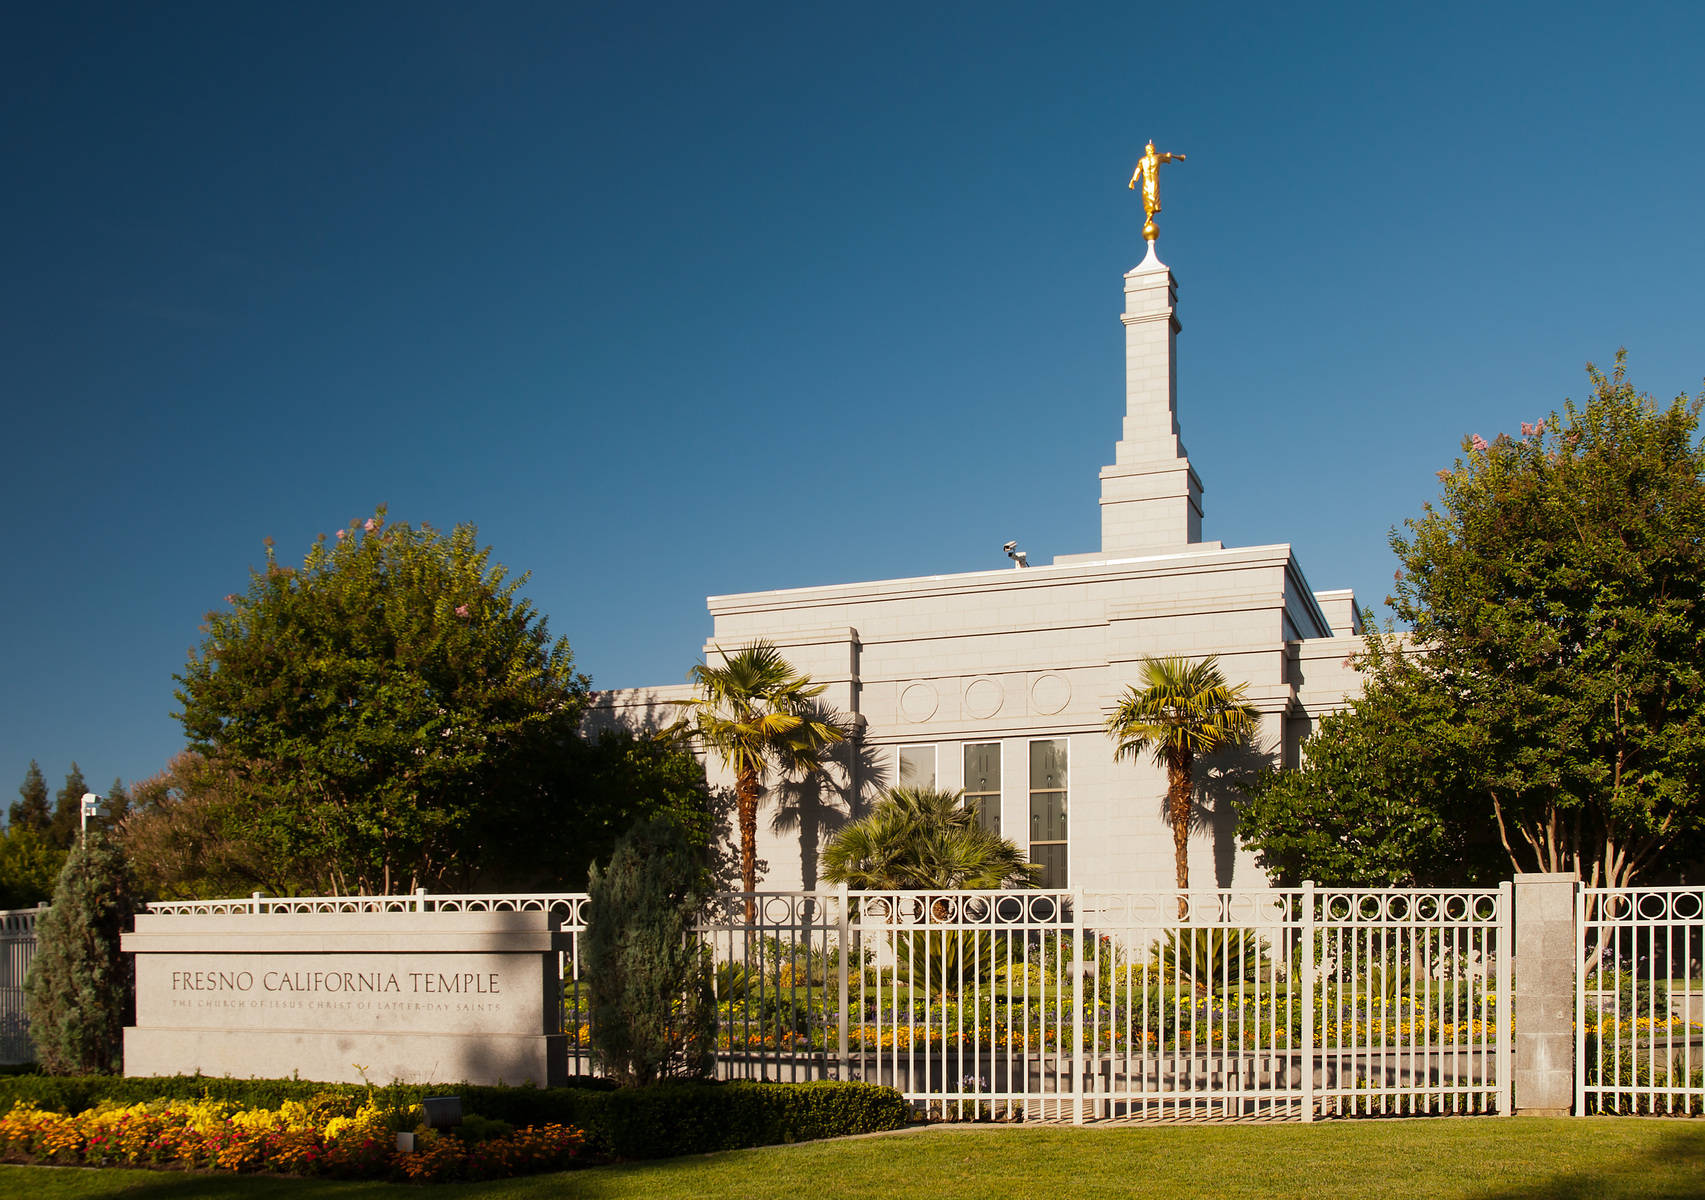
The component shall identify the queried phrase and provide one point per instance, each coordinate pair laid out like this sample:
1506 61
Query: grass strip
1426 1159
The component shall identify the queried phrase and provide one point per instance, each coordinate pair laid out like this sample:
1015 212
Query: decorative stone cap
311 933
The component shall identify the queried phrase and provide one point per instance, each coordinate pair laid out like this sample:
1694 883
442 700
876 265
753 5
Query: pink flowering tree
385 709
1551 700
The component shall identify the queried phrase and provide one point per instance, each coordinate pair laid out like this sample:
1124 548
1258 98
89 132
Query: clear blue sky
673 300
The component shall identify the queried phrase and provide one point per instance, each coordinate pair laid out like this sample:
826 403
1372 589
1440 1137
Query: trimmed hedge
655 1122
691 1117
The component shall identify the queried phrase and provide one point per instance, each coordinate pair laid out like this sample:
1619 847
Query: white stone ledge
1198 604
352 942
332 1056
1097 568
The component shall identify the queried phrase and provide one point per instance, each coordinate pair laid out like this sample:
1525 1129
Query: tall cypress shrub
649 978
80 990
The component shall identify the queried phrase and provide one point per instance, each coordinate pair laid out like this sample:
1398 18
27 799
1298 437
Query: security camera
1010 547
1014 553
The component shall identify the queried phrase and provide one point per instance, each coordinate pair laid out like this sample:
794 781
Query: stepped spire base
1151 501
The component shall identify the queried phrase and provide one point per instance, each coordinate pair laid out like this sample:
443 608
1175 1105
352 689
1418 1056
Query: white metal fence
17 948
1074 1006
1640 1001
1286 1004
1067 1006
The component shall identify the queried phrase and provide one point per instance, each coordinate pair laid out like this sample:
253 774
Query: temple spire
1151 498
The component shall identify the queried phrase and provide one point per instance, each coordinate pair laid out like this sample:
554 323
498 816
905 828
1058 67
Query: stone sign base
422 997
342 1057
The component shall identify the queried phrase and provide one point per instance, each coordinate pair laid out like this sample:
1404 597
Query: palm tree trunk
746 791
1178 811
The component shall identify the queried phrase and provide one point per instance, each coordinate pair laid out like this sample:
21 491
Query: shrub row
698 1118
293 1139
655 1122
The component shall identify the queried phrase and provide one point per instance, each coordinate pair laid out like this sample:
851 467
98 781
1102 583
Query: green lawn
1437 1159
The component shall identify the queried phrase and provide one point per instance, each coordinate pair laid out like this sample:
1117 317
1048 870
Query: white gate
1279 1004
1640 1001
1070 1006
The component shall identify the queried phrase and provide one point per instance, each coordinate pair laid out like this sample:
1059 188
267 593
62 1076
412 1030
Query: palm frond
923 838
1182 706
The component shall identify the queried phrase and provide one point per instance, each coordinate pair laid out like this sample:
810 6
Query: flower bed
296 1138
668 1119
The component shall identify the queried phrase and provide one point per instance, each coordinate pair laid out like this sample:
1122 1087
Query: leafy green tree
1384 797
1551 696
188 834
1557 591
1183 710
29 864
923 838
648 975
79 991
601 788
188 828
756 713
32 810
68 809
386 708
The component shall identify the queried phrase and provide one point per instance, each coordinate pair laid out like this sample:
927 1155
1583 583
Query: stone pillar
1544 1001
1151 499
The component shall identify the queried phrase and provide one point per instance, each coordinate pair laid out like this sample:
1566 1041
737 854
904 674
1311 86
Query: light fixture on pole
91 808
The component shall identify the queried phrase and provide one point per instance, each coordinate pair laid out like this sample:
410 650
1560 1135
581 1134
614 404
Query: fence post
1506 996
1546 959
1308 969
845 993
1581 1008
1077 1005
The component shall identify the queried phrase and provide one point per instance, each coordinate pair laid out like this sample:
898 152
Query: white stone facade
1042 654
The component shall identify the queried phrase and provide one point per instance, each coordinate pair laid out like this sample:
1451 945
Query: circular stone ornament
1050 693
983 698
918 702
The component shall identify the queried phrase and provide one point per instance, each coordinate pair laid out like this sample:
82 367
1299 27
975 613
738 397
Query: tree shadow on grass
81 1183
1680 1157
1670 1167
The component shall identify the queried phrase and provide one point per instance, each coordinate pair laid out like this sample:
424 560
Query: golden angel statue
1148 170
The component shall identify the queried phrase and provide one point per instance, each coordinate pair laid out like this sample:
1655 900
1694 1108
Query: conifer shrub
648 975
79 993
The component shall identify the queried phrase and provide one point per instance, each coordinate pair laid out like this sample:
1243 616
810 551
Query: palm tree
923 838
1184 710
755 712
927 839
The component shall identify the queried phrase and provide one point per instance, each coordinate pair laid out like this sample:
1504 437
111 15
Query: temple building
1000 682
